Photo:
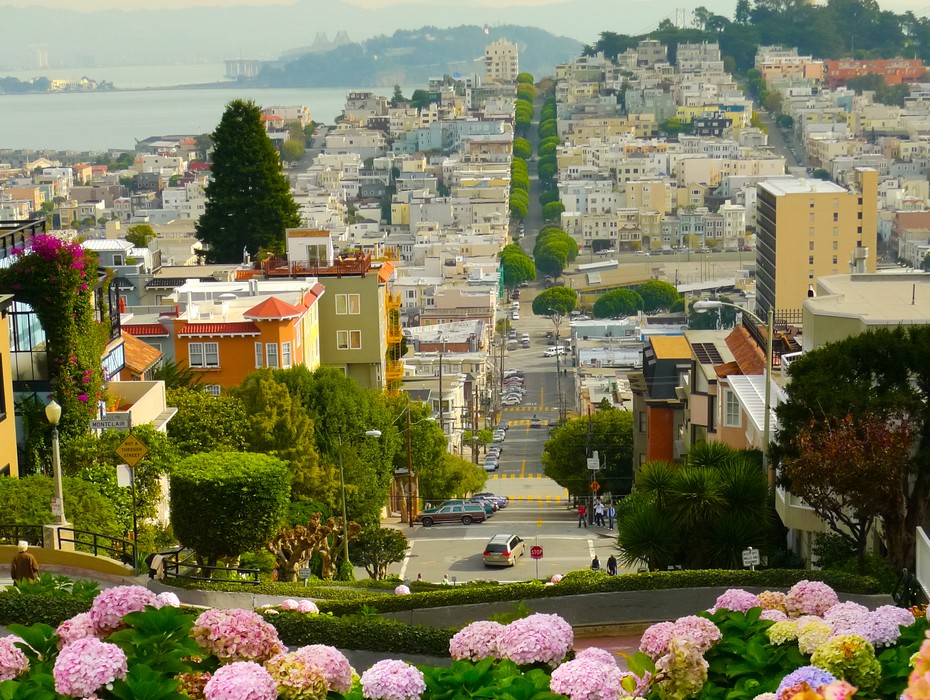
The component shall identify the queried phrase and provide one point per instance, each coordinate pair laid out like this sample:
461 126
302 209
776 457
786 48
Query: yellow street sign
132 450
595 486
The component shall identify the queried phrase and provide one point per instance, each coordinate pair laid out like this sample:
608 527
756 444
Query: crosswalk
492 477
525 409
541 499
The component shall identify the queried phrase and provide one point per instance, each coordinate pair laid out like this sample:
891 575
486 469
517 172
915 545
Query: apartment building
501 62
808 229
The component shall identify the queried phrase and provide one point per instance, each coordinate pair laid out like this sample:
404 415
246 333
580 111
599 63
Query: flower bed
803 645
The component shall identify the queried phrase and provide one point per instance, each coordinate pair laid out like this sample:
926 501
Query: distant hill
412 57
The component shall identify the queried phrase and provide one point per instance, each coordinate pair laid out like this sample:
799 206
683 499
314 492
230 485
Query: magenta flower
242 680
476 641
112 604
332 663
587 679
536 639
13 661
810 598
83 398
737 599
78 627
236 635
391 679
86 665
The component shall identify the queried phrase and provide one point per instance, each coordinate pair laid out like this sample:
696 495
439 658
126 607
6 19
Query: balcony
796 514
392 302
143 402
394 371
356 264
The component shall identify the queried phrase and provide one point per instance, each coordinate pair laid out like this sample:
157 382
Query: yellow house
8 461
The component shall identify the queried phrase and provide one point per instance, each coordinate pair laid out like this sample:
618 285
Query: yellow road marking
523 468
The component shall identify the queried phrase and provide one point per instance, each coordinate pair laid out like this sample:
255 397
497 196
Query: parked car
552 352
515 315
503 550
491 464
513 334
511 401
503 501
464 513
489 507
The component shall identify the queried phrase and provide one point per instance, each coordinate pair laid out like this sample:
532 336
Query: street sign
536 552
132 450
594 461
595 486
123 476
751 557
56 507
304 574
110 423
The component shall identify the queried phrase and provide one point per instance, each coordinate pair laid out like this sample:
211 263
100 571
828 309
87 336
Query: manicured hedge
581 582
293 590
17 608
367 633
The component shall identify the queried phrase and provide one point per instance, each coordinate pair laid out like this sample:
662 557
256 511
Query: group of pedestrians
604 515
611 565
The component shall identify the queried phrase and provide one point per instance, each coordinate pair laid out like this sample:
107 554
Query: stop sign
536 552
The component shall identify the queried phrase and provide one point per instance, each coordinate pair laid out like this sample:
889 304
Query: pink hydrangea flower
307 606
78 627
167 600
843 617
536 639
703 632
288 604
241 680
86 665
297 677
737 599
402 590
597 654
236 635
112 604
772 600
555 578
391 679
654 642
476 641
773 615
332 663
587 679
810 598
13 662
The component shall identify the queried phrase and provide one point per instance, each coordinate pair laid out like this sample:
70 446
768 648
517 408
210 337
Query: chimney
857 260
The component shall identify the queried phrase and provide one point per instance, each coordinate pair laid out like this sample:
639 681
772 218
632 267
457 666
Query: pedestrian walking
24 566
583 516
611 514
595 564
599 514
611 565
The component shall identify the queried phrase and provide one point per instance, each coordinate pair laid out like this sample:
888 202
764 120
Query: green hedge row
367 633
581 582
16 608
295 590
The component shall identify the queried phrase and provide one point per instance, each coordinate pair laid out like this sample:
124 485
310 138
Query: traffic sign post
751 558
595 486
111 423
132 450
536 552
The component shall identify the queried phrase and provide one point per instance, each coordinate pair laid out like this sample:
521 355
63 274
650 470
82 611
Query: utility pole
442 421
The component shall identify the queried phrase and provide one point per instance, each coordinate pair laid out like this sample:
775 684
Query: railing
11 534
922 569
182 564
352 264
121 550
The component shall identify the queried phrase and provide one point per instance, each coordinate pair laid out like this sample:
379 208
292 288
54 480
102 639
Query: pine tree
249 204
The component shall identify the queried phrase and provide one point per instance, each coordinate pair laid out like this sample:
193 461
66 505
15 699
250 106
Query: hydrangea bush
804 644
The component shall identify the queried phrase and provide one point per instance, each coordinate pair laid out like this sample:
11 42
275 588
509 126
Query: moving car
552 352
515 315
535 422
503 550
464 514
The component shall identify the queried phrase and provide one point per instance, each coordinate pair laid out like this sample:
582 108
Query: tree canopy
518 267
617 303
560 299
249 204
657 295
140 235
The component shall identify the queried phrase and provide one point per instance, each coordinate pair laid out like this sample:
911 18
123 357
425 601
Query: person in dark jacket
595 564
24 566
611 565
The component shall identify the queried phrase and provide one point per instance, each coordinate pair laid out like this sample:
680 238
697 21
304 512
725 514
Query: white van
525 340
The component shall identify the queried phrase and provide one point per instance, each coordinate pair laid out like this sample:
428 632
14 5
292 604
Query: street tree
522 148
377 548
293 547
561 300
565 454
882 372
552 211
552 259
617 303
140 235
518 267
711 319
849 472
207 423
657 295
249 204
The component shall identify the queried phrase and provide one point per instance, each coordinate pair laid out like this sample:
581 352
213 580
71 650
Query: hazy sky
91 5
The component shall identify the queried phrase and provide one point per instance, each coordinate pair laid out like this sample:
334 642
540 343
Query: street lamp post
711 304
342 484
53 414
557 322
442 422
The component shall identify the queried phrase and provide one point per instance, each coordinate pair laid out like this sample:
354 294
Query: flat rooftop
878 298
785 186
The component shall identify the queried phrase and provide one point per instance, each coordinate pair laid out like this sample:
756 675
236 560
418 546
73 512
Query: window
117 260
348 340
810 246
731 410
271 355
810 259
214 389
259 356
811 217
285 355
835 245
348 304
204 355
834 260
836 217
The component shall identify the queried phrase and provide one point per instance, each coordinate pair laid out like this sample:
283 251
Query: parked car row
466 511
512 386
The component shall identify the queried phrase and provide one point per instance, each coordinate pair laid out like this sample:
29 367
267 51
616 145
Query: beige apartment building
809 229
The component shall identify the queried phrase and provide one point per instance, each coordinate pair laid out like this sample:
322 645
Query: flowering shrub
108 608
654 642
298 678
773 616
236 635
600 655
555 578
851 658
402 590
782 632
392 680
918 684
192 684
701 631
736 599
772 600
536 639
476 641
682 671
812 632
86 665
242 680
804 678
78 627
587 679
167 599
810 598
332 663
13 661
303 606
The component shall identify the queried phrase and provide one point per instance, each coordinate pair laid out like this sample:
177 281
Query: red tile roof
749 356
140 356
219 329
145 329
273 309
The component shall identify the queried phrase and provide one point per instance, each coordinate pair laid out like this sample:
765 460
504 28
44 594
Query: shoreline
190 86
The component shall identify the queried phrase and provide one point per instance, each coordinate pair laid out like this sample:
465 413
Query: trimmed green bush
585 581
50 609
227 503
368 633
316 589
